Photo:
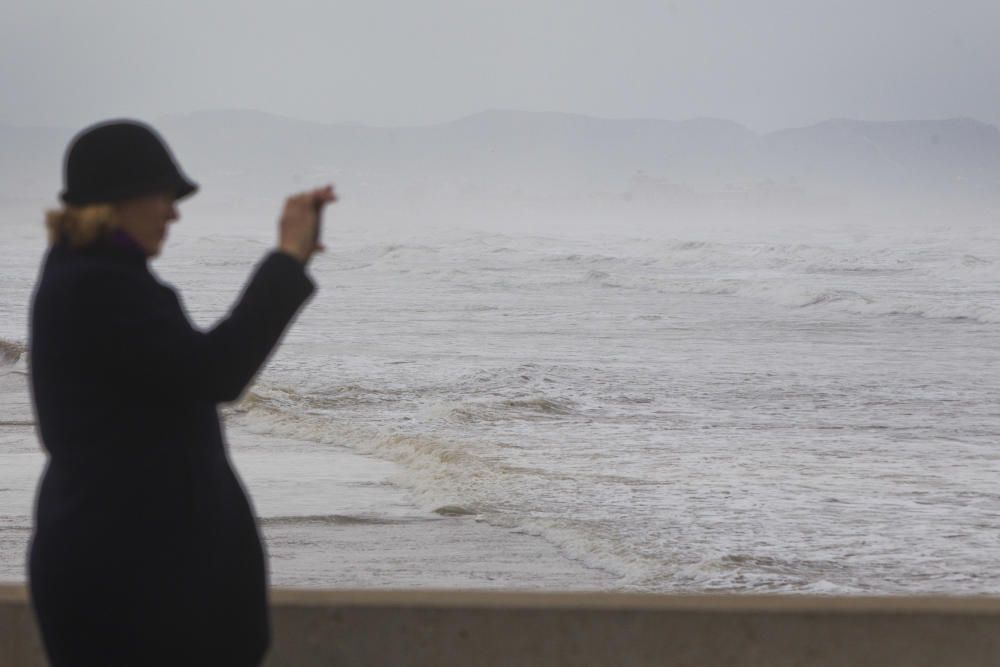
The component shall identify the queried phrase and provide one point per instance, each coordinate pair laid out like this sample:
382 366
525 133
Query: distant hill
553 158
947 155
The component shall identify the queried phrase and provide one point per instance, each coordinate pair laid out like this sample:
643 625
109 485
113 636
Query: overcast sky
765 63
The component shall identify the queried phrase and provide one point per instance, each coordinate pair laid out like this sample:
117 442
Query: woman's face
145 219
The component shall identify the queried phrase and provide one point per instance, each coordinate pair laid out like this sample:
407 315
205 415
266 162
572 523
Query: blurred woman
145 548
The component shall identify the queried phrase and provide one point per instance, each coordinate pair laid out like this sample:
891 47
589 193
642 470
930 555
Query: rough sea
656 407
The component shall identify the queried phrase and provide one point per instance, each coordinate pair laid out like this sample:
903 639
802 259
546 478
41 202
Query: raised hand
298 229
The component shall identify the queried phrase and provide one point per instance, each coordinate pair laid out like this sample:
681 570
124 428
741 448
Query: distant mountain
961 154
548 158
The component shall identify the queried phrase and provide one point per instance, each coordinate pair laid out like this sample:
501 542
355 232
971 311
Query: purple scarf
120 239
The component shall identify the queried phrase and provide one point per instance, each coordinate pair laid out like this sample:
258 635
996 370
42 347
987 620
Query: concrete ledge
19 641
488 628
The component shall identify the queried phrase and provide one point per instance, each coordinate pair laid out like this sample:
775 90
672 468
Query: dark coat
145 549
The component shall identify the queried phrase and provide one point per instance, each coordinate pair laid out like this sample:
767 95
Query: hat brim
184 189
181 189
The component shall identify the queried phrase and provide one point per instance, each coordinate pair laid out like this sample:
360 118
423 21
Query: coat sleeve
141 334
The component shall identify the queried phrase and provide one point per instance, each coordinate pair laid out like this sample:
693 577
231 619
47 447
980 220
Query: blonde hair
81 225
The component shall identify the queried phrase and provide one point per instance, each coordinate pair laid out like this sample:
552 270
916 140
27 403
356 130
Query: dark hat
118 160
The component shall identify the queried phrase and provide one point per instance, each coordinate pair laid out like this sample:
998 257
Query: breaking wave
449 477
438 467
528 408
982 308
331 520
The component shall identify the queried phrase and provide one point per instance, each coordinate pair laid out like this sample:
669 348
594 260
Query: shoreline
332 518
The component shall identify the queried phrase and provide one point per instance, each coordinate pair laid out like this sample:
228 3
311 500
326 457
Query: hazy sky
765 63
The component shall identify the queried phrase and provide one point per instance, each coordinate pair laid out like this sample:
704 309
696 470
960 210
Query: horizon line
174 116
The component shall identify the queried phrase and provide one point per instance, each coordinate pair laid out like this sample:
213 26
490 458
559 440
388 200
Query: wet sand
332 519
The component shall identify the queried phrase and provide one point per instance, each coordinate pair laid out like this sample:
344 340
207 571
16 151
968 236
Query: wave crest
331 519
508 409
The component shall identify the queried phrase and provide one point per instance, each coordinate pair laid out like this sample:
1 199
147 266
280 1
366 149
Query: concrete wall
487 628
19 643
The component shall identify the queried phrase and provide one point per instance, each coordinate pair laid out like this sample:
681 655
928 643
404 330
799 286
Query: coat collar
118 246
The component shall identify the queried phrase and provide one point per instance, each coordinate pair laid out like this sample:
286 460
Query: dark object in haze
117 160
146 550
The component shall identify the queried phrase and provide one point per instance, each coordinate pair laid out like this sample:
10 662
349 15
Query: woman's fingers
324 195
298 229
